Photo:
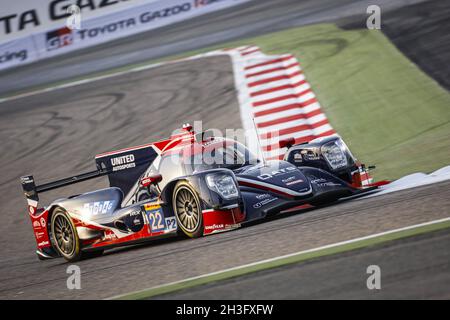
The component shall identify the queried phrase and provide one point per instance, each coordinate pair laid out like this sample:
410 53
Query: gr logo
374 280
59 38
74 280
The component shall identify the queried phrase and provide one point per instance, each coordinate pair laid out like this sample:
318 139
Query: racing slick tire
187 208
65 238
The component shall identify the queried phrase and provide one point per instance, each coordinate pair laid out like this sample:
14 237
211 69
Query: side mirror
154 179
289 142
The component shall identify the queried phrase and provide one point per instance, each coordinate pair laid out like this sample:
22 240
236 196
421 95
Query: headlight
223 184
334 153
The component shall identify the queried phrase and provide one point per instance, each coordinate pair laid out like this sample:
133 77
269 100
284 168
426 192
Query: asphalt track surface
130 269
56 134
411 268
254 18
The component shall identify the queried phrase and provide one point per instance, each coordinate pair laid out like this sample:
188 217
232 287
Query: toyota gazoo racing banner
17 52
25 18
100 29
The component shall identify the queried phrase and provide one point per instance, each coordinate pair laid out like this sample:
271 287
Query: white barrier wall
130 20
20 18
17 52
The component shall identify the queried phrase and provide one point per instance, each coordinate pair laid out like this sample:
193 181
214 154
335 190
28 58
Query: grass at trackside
388 111
164 289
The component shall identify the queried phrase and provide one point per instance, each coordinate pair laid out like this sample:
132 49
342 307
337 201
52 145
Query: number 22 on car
155 218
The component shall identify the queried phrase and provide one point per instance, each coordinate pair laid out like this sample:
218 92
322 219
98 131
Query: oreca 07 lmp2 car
191 184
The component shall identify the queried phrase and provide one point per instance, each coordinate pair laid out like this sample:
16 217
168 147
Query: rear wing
123 167
31 190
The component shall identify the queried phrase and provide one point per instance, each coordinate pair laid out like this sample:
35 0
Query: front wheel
188 213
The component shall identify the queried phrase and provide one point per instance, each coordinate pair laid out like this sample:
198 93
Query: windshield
227 154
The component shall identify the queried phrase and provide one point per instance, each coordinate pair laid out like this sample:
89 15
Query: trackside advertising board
136 17
19 18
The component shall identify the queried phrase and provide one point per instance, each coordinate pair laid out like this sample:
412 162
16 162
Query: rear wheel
187 209
65 238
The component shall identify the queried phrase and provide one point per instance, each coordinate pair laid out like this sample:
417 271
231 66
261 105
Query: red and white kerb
280 99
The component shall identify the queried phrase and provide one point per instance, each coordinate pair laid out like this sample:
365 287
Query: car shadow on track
145 244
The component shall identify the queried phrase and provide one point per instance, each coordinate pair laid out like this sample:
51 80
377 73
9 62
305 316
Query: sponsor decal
294 182
145 182
150 16
123 162
8 56
42 222
135 213
36 224
136 218
26 180
291 180
171 224
59 38
265 199
276 173
324 183
214 227
310 155
148 207
110 235
43 243
298 157
98 207
155 218
106 29
31 209
264 202
39 235
329 184
221 227
317 180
